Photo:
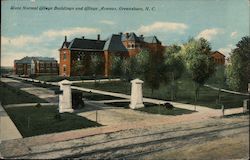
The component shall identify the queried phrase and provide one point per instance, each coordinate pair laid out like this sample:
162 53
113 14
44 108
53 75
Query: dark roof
25 60
114 44
130 36
86 44
151 39
218 53
44 58
28 60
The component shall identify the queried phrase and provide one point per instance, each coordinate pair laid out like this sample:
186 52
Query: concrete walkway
227 91
43 93
29 104
8 129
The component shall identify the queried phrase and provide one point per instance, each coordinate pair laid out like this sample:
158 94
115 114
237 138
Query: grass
11 95
153 108
163 111
56 78
184 94
32 121
97 97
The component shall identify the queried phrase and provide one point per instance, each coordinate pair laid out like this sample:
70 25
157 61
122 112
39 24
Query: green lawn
32 121
185 93
11 95
163 111
56 78
97 97
153 108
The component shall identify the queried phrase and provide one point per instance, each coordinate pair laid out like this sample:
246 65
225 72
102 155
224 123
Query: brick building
218 57
79 51
36 66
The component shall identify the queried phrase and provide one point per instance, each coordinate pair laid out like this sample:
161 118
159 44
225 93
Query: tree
116 65
129 68
238 71
218 79
198 62
174 67
96 65
149 66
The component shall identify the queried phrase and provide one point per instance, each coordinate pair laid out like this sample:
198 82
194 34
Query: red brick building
79 50
36 66
218 57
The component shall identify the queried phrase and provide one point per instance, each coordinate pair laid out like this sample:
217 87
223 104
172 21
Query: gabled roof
44 58
114 44
28 60
151 39
130 36
214 52
86 44
24 60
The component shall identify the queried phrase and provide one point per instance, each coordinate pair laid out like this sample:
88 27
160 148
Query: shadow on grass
32 121
11 95
154 109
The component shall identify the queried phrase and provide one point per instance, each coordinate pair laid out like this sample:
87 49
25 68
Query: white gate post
136 94
65 99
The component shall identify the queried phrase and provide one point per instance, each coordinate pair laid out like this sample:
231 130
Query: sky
38 27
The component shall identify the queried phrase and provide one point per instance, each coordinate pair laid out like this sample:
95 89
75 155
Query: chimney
98 37
127 35
82 37
65 39
141 35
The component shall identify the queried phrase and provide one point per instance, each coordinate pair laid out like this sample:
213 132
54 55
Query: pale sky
41 32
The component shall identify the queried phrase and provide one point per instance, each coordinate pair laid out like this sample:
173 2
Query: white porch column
136 94
65 99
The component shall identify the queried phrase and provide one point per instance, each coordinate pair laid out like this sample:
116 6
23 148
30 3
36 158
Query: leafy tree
198 62
238 71
174 67
116 65
96 64
218 79
150 68
129 67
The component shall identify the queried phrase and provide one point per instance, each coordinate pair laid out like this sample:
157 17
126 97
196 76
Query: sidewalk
8 129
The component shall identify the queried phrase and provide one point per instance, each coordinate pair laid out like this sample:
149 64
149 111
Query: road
158 141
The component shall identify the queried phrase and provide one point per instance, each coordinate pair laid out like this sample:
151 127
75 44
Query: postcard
124 79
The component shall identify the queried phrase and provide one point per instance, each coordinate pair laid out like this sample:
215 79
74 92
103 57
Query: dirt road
211 139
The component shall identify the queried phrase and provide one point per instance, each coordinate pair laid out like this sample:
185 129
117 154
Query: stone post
136 94
65 99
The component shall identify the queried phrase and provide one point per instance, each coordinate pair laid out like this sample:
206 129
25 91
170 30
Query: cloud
108 22
24 40
163 27
234 34
209 34
7 59
20 41
70 32
226 50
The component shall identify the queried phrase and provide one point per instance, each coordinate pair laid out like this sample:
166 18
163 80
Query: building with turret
78 52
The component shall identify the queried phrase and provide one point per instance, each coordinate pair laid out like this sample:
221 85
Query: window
64 56
64 68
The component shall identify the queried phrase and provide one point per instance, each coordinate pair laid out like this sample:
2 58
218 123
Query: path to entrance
8 129
115 119
202 109
40 92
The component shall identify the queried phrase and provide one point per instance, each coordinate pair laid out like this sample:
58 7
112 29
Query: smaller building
218 57
36 66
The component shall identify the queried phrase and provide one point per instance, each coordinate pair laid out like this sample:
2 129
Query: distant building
79 51
218 57
36 66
